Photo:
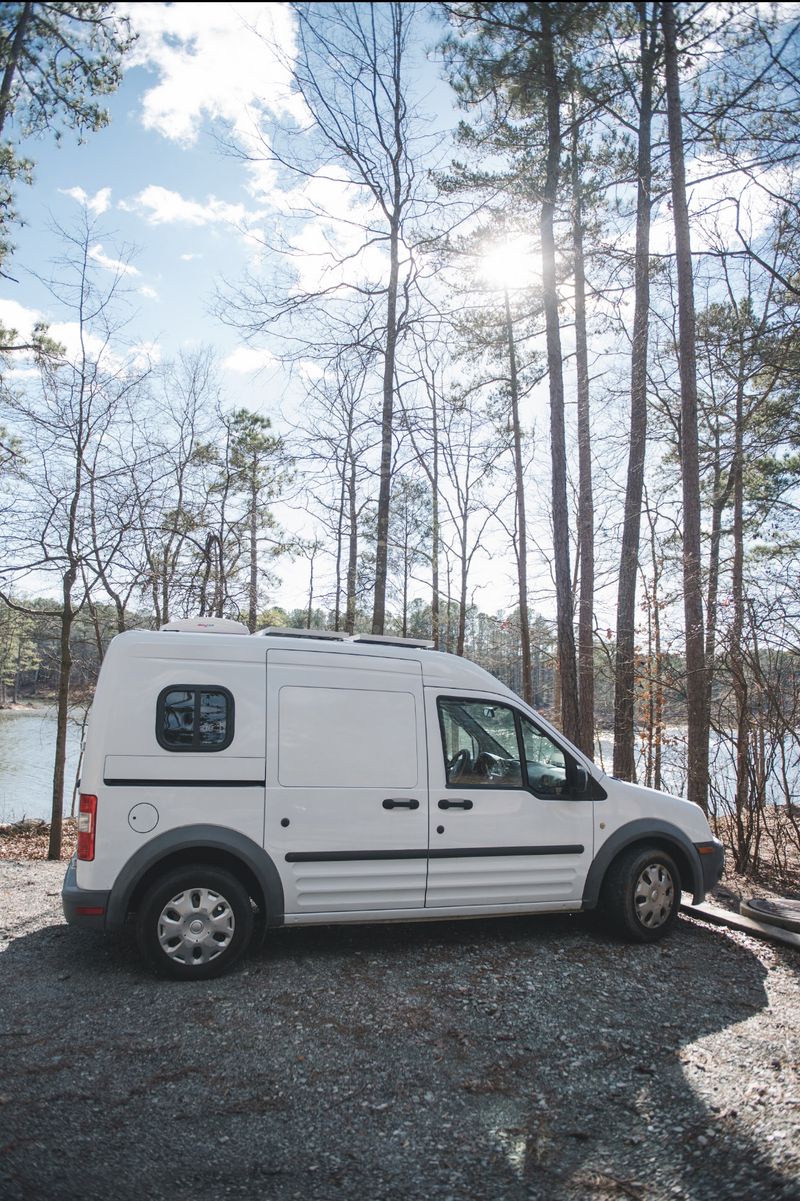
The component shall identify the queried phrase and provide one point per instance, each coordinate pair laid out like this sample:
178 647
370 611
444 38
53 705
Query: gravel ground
508 1059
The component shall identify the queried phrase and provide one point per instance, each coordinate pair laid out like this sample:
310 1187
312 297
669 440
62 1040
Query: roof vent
390 640
205 625
281 632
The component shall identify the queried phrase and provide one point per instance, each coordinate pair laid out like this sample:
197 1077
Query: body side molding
144 783
443 853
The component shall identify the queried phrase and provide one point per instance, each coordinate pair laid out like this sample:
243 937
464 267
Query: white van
317 777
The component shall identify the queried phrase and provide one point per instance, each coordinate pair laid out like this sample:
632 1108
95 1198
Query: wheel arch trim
188 840
645 830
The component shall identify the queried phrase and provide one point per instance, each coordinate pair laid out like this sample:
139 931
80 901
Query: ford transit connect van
320 778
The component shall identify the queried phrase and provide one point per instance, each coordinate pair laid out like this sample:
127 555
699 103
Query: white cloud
116 265
311 370
160 206
330 249
68 334
22 373
148 292
16 316
97 204
245 359
215 61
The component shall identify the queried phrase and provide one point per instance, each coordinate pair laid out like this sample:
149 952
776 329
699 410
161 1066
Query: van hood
682 813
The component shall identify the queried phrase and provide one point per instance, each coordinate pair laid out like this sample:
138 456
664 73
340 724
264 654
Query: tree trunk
697 766
585 495
558 448
658 664
384 492
16 677
337 610
650 706
352 552
12 62
720 499
522 537
462 597
625 672
252 611
405 584
220 581
737 657
62 716
206 578
435 631
310 590
447 630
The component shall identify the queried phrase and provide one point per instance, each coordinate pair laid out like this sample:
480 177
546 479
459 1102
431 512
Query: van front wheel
642 894
194 922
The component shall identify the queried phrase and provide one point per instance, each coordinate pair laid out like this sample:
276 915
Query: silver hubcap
196 926
654 896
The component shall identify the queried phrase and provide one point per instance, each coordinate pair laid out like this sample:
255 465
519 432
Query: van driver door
509 826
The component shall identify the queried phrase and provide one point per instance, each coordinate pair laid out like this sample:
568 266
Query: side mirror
581 781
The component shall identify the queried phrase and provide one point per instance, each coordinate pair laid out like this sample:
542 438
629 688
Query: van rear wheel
641 894
194 922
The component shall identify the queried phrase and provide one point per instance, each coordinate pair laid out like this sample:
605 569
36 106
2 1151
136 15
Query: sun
509 263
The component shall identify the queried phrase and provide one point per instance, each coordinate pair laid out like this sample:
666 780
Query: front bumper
712 861
82 906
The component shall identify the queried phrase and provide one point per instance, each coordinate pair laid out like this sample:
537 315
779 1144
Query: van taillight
87 825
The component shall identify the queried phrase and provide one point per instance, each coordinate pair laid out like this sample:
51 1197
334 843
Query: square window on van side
194 719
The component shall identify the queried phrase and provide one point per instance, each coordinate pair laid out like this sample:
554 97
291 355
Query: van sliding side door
347 796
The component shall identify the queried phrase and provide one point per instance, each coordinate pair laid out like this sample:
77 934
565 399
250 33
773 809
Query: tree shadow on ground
509 1058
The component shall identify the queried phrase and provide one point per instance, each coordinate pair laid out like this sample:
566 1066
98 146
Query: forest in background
565 337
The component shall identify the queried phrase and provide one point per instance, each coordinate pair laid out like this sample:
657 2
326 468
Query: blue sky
163 191
160 184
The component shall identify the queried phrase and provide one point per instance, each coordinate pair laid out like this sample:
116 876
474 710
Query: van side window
545 761
479 739
482 749
194 718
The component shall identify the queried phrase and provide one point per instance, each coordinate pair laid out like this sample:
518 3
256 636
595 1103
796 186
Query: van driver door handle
400 803
455 804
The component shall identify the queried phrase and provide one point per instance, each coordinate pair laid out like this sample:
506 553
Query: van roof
339 636
440 669
224 625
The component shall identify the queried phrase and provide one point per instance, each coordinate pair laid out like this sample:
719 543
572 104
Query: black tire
194 922
641 894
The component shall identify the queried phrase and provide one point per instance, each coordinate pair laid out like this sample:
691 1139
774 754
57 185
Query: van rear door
347 798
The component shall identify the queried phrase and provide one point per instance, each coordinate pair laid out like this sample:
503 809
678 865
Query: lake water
27 747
